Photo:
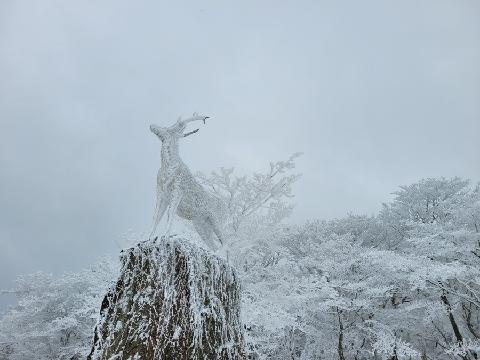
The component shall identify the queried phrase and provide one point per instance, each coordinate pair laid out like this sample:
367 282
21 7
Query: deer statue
178 192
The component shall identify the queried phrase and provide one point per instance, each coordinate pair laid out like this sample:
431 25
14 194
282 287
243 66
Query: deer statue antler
181 124
190 133
194 117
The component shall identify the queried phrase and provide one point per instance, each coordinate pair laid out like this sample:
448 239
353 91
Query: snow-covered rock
173 300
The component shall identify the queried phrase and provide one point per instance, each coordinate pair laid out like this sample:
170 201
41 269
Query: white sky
375 93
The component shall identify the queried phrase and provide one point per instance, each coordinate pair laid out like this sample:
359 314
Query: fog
375 94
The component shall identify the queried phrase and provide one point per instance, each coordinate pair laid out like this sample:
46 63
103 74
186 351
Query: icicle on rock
173 300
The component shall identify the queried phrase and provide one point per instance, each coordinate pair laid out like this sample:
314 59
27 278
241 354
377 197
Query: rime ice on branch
172 300
178 192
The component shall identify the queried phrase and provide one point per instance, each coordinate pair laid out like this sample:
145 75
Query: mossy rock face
172 300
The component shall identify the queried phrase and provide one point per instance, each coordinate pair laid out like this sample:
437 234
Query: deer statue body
179 193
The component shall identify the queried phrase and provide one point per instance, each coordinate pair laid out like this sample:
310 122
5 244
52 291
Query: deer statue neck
170 154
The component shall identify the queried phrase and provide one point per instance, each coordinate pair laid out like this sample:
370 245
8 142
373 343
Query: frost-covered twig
247 196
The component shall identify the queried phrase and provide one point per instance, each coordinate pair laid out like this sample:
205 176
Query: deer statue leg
215 228
205 231
160 208
175 199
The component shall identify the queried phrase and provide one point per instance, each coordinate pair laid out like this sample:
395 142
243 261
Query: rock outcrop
174 301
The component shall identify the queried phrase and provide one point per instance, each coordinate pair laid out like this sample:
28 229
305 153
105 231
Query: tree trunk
454 324
455 328
468 320
341 356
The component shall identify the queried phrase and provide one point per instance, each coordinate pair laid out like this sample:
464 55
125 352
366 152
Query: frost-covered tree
430 200
259 198
404 284
54 317
376 293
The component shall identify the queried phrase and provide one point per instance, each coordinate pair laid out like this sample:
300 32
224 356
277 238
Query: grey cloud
376 94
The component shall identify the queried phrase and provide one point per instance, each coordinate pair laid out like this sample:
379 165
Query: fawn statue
178 192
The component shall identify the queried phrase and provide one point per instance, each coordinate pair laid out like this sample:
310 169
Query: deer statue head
176 131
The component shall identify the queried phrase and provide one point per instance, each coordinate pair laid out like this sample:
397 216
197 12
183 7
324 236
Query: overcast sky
375 93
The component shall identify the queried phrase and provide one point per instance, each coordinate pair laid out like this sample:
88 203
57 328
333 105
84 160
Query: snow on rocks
173 300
